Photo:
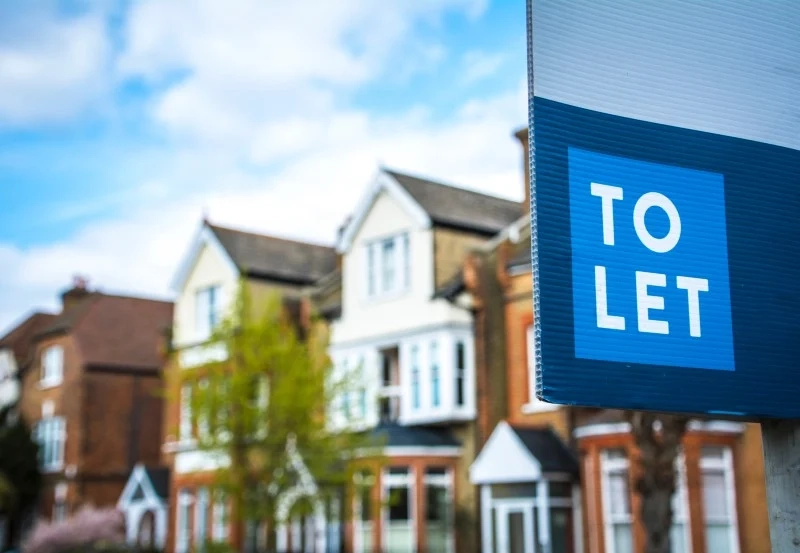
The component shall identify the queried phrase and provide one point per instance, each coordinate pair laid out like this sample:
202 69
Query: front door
514 524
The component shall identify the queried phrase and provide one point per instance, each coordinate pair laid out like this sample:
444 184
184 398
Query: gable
384 188
504 459
204 244
139 488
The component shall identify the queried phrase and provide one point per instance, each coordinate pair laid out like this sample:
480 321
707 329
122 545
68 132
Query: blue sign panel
649 262
665 164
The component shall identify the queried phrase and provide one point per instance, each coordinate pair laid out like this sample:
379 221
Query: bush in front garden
89 530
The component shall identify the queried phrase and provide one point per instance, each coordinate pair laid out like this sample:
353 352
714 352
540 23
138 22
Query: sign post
665 174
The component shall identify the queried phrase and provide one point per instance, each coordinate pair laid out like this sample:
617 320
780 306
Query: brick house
401 249
217 261
559 479
90 389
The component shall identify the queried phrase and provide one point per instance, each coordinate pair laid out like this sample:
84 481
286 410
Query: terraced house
560 479
205 285
90 388
402 247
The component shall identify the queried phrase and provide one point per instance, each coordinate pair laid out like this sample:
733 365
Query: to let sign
666 220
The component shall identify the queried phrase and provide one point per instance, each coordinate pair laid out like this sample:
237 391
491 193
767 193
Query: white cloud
51 69
478 66
264 135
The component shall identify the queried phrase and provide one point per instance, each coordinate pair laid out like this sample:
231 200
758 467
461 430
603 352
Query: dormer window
388 266
52 366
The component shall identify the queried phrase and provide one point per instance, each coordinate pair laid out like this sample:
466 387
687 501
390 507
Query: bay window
460 374
389 266
207 310
415 392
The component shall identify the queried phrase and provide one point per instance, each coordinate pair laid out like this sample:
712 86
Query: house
16 356
559 479
218 260
413 352
90 389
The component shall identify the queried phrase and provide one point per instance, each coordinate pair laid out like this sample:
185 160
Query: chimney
522 136
77 292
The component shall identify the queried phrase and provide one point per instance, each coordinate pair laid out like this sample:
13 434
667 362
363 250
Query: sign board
665 163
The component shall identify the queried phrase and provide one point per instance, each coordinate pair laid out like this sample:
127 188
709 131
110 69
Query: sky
123 122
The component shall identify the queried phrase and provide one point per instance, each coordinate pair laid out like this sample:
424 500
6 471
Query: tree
20 478
658 438
265 403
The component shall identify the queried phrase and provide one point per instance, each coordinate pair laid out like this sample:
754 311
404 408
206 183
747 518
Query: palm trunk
656 478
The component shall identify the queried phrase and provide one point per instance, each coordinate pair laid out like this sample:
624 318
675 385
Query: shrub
88 530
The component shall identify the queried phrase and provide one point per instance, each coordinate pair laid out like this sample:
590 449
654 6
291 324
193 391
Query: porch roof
520 454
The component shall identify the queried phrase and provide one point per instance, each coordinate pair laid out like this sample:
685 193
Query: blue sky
121 123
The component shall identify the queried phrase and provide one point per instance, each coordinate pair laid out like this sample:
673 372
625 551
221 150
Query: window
415 396
438 512
202 418
51 435
680 535
364 481
399 528
616 502
185 423
182 523
201 519
460 374
219 525
389 266
207 310
435 374
719 503
362 391
52 366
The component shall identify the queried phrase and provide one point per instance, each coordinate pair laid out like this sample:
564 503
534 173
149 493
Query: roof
396 435
460 208
271 257
450 289
551 452
115 331
20 338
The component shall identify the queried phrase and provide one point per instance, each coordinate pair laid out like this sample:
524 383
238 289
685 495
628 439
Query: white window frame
376 266
724 465
390 481
185 414
52 367
416 377
219 523
182 517
534 405
208 308
444 481
435 361
608 466
51 435
201 518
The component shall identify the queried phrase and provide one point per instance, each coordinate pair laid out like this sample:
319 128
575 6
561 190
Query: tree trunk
656 478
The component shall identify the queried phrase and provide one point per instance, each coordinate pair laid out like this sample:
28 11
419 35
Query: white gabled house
403 246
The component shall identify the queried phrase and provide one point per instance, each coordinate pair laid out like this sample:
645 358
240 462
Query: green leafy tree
658 438
268 397
20 479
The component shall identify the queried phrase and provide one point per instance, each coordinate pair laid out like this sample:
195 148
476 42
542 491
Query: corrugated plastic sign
665 163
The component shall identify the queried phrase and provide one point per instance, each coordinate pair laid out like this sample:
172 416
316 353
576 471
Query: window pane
460 373
437 517
406 261
623 538
399 505
371 269
714 503
677 538
415 395
434 374
516 532
619 499
718 538
560 530
388 263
